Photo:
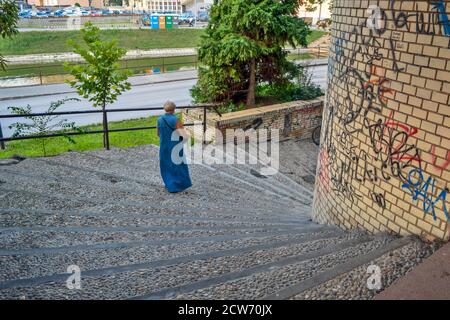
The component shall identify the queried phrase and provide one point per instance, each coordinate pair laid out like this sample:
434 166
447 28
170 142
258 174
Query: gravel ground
40 239
141 159
130 165
47 264
26 217
119 202
353 285
144 281
92 192
263 284
122 216
299 161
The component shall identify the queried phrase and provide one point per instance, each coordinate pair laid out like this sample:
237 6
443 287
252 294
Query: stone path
233 235
131 54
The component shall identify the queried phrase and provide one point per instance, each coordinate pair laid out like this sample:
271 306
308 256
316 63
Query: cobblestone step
296 188
102 183
88 193
28 217
124 242
273 278
66 205
233 235
298 164
214 187
106 262
139 157
339 269
129 281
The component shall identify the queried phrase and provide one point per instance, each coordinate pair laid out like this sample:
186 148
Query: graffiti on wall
439 166
358 102
424 189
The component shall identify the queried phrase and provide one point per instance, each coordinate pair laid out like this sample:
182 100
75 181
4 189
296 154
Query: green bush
231 107
301 88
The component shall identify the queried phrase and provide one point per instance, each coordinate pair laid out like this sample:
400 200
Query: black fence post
2 143
204 125
105 129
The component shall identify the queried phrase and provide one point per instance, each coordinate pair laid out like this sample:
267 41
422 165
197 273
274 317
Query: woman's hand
183 132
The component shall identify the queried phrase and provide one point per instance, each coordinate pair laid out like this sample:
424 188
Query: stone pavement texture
70 56
430 280
234 235
131 54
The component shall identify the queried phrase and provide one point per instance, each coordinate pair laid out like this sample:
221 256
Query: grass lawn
315 35
57 145
56 41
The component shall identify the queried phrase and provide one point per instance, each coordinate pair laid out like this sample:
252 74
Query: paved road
143 94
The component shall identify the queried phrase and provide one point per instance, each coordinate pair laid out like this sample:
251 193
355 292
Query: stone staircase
234 235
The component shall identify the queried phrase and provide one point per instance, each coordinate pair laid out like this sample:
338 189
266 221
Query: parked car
203 17
96 13
25 14
42 14
59 13
186 18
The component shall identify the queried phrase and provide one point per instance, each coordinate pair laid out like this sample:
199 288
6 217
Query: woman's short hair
169 106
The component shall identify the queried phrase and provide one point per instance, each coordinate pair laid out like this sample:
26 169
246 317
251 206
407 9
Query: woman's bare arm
182 131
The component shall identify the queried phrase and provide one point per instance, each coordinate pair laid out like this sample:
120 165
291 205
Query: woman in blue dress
175 173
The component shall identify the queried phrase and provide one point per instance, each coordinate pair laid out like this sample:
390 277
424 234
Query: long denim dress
175 176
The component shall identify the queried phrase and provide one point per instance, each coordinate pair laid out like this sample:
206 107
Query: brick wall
384 162
293 119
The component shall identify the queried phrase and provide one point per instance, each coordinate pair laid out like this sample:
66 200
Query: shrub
301 89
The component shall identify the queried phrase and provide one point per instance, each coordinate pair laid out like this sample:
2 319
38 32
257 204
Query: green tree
243 45
9 15
100 79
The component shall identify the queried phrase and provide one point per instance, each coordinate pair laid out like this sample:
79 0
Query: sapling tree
99 79
43 125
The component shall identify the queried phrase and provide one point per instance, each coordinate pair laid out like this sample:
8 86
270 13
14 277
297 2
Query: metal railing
160 65
317 51
105 129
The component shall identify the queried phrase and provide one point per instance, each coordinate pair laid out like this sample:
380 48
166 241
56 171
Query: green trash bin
169 22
